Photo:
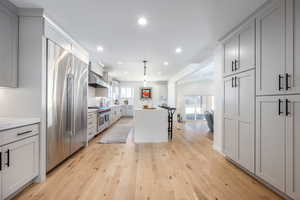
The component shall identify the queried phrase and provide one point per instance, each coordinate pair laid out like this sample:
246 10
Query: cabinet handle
279 82
235 65
232 82
232 66
235 81
287 113
287 76
279 107
23 133
8 158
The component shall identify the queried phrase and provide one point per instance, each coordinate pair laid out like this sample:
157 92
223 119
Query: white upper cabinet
240 50
9 23
270 137
278 43
231 55
247 47
292 73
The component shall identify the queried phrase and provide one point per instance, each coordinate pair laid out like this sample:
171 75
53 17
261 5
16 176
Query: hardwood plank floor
186 168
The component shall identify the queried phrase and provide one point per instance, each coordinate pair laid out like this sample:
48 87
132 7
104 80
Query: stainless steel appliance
67 80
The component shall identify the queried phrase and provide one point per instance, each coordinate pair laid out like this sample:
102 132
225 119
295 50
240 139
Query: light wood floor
186 168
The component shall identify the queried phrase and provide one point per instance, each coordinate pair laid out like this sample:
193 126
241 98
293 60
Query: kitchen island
150 125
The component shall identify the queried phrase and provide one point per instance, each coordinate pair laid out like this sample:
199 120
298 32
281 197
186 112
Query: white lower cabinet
19 159
239 119
293 146
270 137
230 138
278 142
21 164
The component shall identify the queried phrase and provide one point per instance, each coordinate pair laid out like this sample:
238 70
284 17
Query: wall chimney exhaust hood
96 81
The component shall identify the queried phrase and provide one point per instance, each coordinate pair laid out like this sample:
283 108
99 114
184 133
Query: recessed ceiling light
120 63
166 63
100 49
142 21
178 50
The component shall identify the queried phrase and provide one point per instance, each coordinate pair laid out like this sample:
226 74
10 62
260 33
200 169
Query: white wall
172 94
26 100
159 92
218 90
201 88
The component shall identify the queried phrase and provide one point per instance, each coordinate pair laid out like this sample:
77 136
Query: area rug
117 134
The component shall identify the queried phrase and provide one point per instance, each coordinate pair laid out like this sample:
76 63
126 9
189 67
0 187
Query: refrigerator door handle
70 101
73 106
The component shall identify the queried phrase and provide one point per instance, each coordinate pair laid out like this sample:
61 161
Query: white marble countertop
10 123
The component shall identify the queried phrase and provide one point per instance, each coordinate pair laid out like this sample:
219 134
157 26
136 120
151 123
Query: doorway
196 106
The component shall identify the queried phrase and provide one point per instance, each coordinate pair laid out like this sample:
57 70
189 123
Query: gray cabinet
292 72
231 55
239 101
9 23
19 148
292 145
278 142
277 43
21 164
240 50
1 167
270 137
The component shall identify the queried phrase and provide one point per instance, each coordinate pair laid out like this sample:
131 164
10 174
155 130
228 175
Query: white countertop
10 123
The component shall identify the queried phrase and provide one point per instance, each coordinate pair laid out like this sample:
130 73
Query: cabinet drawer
92 115
92 131
18 133
92 126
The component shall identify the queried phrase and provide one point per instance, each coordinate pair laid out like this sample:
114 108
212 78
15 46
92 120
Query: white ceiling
194 25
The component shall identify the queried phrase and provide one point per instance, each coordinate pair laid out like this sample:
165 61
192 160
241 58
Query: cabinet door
9 23
270 140
293 147
230 138
271 49
247 47
231 55
1 172
245 120
293 46
21 164
230 98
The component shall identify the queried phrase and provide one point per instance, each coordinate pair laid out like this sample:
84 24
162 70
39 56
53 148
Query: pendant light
145 72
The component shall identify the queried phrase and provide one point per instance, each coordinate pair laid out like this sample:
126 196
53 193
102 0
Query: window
126 93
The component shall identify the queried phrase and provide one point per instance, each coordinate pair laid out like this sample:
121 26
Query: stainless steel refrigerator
67 80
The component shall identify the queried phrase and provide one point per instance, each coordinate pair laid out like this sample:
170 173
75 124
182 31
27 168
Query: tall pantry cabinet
275 143
239 92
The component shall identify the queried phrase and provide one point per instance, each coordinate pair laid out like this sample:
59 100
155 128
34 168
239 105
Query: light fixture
100 49
178 50
120 63
142 21
145 72
125 72
166 63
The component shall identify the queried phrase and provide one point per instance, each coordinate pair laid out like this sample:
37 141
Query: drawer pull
23 133
8 158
